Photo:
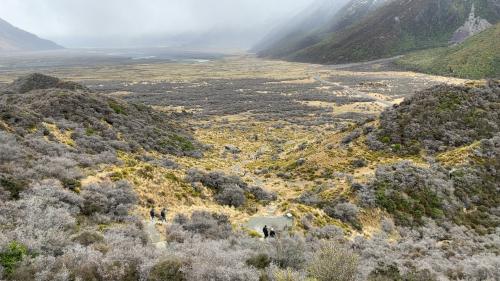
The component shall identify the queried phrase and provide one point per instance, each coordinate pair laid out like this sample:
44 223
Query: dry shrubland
437 219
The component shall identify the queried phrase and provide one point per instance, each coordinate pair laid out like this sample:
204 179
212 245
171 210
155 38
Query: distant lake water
95 57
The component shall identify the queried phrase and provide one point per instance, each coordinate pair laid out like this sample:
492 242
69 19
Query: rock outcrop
471 27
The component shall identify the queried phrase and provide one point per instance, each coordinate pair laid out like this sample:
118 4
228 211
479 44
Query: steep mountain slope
302 31
477 57
353 12
397 27
15 39
313 25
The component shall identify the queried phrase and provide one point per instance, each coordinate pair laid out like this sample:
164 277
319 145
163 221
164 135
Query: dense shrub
262 98
167 270
327 232
113 199
352 136
218 260
410 193
310 197
333 263
365 194
214 180
230 190
231 195
287 274
391 272
289 252
13 186
12 255
261 194
336 208
439 118
87 238
346 211
476 187
259 261
61 168
10 150
466 194
207 225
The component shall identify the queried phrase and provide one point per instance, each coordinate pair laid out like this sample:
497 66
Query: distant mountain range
364 30
15 39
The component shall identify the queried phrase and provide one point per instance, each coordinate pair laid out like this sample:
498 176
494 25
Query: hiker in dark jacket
163 215
266 232
272 233
152 214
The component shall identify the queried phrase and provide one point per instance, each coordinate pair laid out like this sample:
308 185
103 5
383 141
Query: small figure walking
266 232
272 233
152 214
163 215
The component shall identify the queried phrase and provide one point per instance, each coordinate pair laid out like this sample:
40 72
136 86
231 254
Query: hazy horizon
131 23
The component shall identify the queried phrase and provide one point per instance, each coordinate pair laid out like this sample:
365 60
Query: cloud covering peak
97 22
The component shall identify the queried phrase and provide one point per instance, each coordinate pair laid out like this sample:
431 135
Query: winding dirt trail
154 235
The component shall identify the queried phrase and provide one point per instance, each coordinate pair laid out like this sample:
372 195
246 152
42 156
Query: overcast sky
84 22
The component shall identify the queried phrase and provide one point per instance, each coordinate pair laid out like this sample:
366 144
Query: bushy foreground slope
440 118
54 227
443 119
436 222
435 162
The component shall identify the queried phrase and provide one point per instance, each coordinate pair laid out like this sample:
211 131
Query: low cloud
80 23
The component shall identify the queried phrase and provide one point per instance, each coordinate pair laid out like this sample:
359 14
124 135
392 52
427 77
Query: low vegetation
78 168
476 58
438 119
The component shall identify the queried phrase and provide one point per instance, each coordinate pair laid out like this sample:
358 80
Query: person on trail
272 233
152 214
163 215
266 232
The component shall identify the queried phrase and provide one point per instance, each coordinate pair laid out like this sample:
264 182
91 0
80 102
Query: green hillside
478 57
395 28
309 28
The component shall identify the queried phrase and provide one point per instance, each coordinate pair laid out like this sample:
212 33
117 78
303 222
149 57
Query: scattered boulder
359 163
232 149
300 161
